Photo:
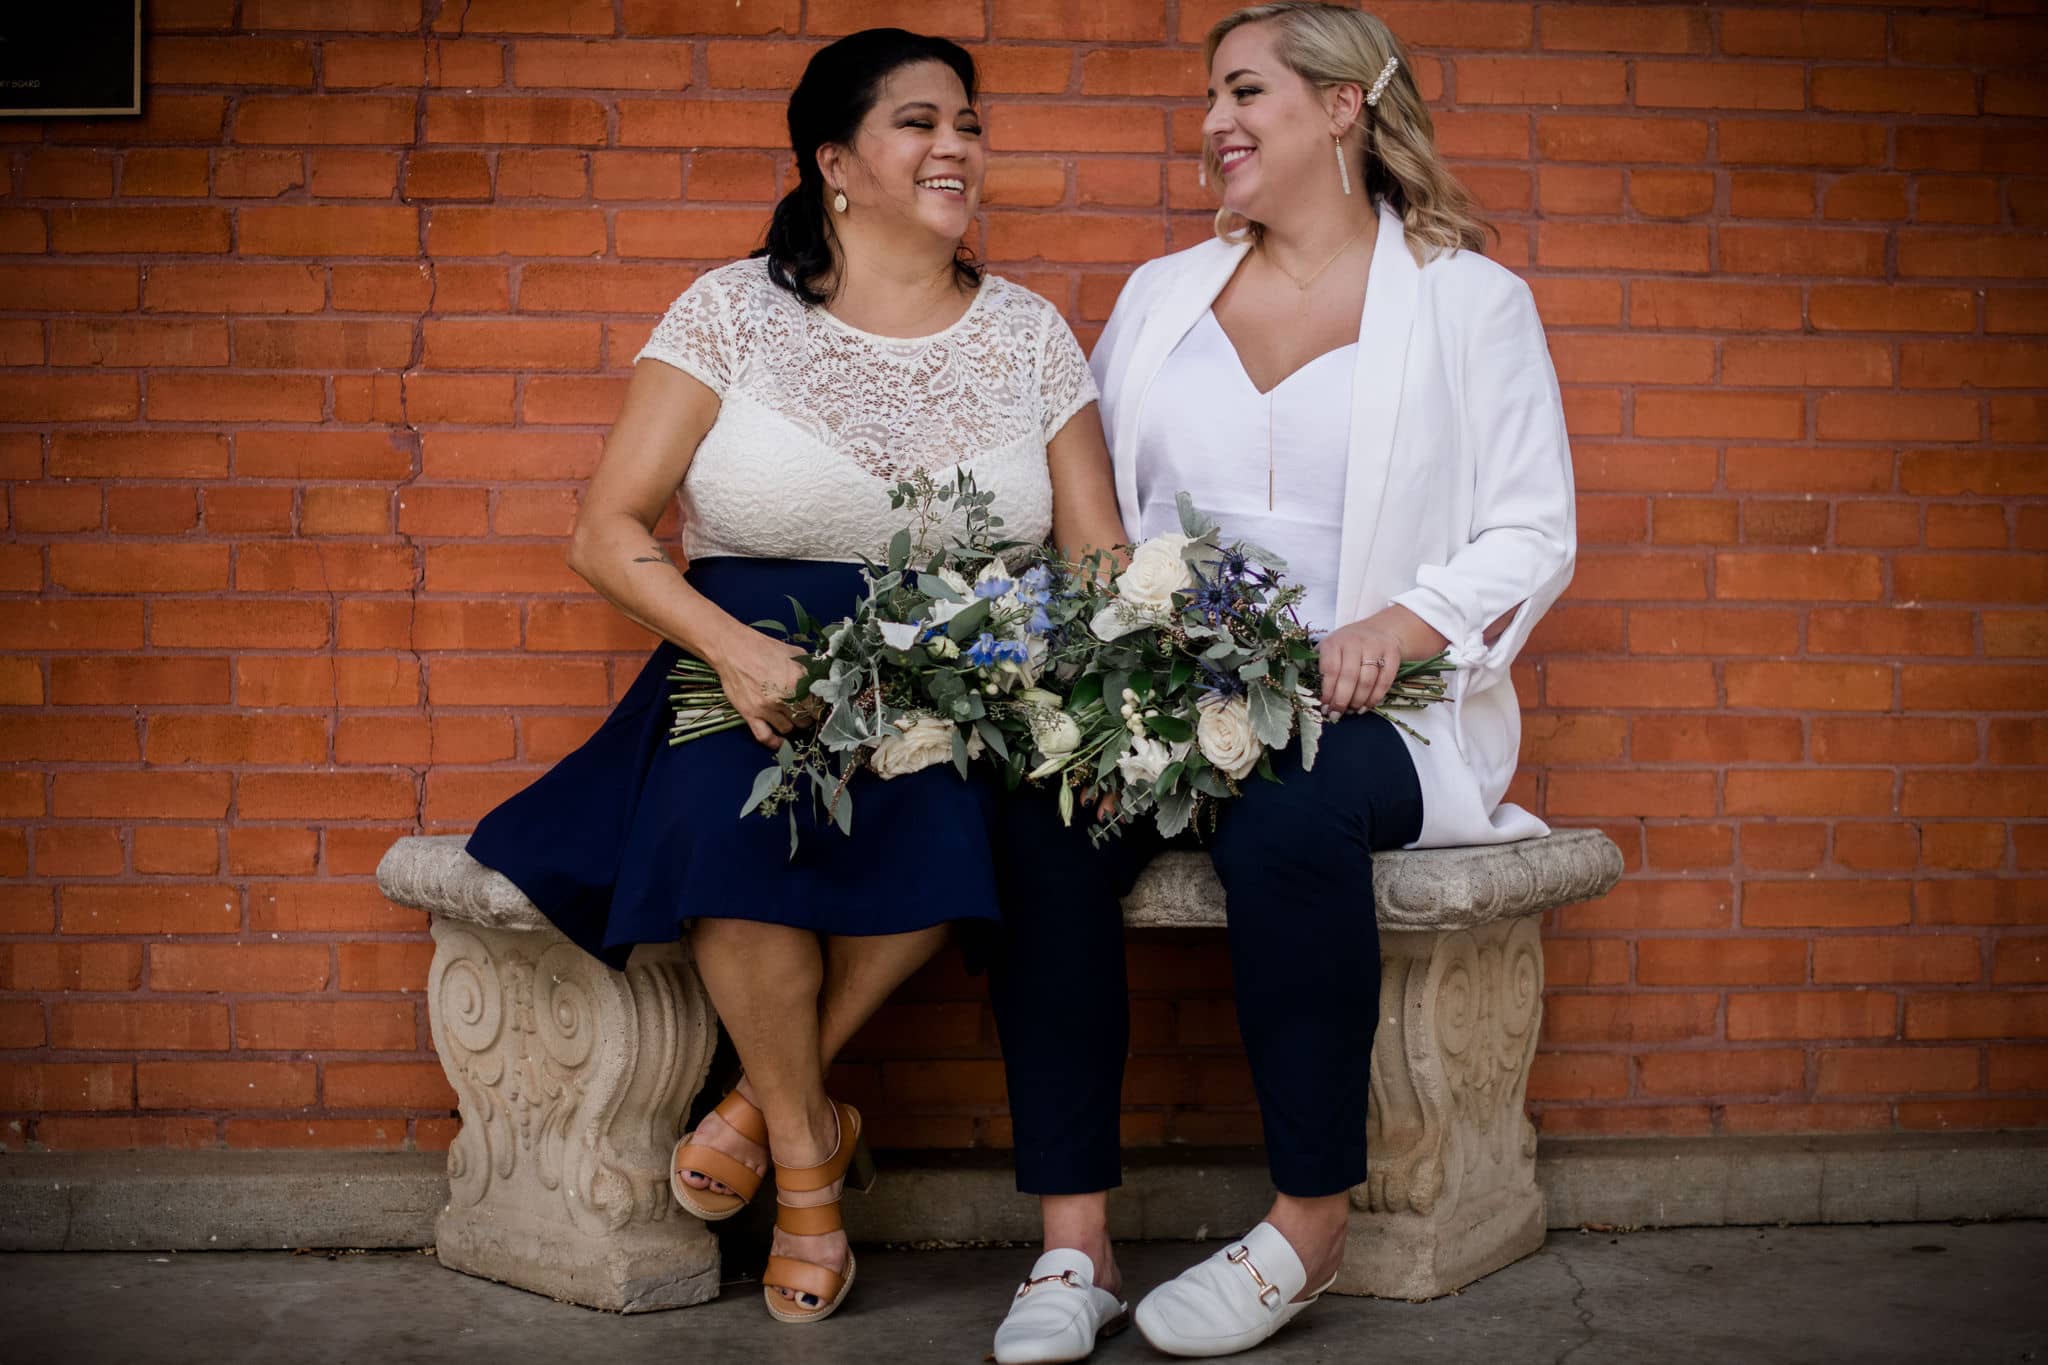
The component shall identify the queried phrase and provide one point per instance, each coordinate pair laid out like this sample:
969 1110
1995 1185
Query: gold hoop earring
839 201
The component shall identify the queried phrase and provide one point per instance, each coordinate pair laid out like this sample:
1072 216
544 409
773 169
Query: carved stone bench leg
572 1082
1450 1192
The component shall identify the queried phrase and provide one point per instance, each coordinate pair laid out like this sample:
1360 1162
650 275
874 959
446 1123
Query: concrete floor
1864 1294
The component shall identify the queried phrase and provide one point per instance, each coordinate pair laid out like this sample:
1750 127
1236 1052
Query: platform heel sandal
849 1162
745 1182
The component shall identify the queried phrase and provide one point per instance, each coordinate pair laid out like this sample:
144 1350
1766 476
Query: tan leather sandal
849 1162
743 1180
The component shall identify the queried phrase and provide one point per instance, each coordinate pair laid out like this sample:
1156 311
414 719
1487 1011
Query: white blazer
1458 498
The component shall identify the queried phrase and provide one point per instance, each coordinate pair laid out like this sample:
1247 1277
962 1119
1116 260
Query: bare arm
1084 511
666 415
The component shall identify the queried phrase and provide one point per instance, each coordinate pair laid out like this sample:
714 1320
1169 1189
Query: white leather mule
1058 1313
1230 1302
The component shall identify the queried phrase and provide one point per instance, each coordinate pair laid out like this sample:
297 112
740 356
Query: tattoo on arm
655 555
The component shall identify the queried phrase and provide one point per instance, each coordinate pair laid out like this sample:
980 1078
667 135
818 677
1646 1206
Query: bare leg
860 973
1315 1229
1080 1222
764 981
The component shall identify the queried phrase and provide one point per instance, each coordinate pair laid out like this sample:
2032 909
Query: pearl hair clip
1379 87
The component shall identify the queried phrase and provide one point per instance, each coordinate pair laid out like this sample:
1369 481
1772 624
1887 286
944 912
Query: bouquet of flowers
938 662
1183 678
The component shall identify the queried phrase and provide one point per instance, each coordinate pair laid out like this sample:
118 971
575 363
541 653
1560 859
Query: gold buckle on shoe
1242 1255
1065 1277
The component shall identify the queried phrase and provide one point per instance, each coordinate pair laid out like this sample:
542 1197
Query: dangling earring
839 201
1343 171
1202 171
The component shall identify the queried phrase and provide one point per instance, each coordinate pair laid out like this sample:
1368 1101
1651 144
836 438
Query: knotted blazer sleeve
1523 536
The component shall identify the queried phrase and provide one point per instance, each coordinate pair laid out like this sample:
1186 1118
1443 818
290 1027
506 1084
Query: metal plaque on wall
79 57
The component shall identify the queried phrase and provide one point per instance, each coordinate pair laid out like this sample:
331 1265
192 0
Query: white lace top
819 420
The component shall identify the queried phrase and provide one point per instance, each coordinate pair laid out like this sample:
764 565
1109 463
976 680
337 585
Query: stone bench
573 1080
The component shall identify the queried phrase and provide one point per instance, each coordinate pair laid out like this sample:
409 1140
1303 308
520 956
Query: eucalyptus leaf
1193 521
969 622
899 549
960 750
1270 716
842 811
1310 722
1174 811
765 781
992 735
1252 671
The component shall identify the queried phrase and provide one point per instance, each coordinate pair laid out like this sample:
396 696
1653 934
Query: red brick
317 1134
1936 958
1781 577
386 1085
324 1025
44 1087
78 851
128 1025
1830 792
1981 901
1660 1018
177 850
1721 962
1689 848
1808 687
1719 85
238 966
384 966
1962 846
1578 1076
224 1085
72 966
1825 904
1977 1114
1891 631
1660 1120
327 907
1607 140
1977 1014
1813 1014
1745 1071
1630 794
1896 1070
329 231
159 909
1654 903
1610 683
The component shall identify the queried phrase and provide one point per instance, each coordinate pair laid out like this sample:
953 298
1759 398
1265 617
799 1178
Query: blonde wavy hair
1328 45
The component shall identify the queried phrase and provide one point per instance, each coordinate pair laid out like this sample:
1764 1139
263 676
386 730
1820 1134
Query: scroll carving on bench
573 1080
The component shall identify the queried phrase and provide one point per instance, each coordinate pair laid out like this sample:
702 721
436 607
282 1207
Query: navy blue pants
1295 860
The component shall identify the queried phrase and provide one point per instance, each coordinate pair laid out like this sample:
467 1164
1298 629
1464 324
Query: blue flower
991 588
1039 623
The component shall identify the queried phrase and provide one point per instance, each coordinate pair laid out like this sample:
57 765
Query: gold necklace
1299 283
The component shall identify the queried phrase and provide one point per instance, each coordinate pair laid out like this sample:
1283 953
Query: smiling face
1267 128
918 155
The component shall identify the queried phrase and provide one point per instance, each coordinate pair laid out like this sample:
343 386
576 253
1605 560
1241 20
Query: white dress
819 420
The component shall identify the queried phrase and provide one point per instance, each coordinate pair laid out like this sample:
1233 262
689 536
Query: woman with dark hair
792 391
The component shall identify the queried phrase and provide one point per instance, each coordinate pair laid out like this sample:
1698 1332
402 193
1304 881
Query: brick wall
306 365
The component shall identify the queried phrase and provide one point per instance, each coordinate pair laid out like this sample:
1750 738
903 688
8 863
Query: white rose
1225 733
1149 758
919 742
955 582
897 635
1156 573
1057 735
1039 697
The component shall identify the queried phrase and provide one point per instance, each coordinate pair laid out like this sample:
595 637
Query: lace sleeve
694 336
1064 384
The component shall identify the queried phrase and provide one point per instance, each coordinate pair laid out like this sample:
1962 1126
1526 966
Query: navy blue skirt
628 838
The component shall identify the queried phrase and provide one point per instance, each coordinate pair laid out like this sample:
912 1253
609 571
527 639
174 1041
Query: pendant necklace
1301 286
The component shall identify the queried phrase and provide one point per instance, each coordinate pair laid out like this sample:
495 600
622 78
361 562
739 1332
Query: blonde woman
1343 378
